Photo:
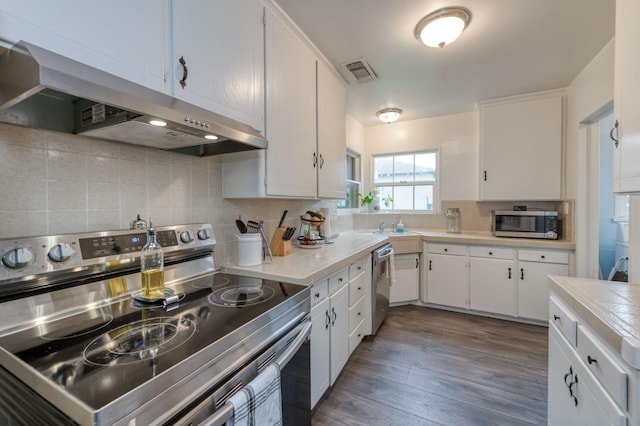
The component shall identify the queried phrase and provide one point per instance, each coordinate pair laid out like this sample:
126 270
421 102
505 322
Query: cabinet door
320 356
222 45
533 288
291 111
626 95
332 134
516 138
447 280
339 331
561 409
492 285
125 38
407 284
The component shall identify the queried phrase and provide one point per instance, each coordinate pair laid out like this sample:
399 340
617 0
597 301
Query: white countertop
306 266
610 308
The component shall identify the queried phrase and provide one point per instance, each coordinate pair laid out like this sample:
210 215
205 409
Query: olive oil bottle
152 267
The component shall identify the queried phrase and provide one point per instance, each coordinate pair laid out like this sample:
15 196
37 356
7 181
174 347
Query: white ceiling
510 47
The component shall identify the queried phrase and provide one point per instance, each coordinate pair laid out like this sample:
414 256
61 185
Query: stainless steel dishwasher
381 282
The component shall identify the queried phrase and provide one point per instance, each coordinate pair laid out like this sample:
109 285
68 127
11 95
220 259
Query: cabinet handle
616 138
429 265
485 175
521 273
321 161
340 279
359 313
446 249
542 256
328 320
490 253
185 71
555 317
575 382
317 295
417 262
315 160
334 316
566 376
509 273
591 360
359 288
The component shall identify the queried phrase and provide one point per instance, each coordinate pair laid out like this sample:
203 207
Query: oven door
292 354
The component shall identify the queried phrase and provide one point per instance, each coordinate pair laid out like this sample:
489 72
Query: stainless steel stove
80 347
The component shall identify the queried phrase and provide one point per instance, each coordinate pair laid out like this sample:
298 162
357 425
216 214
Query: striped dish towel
260 402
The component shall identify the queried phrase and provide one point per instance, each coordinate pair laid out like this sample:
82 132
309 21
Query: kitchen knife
284 214
241 226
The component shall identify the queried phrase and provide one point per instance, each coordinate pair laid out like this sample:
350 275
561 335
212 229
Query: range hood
41 89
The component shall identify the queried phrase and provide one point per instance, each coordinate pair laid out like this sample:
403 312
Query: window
409 179
353 181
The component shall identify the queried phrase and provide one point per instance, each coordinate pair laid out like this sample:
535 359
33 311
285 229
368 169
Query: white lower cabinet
495 280
576 395
533 287
491 280
447 275
406 287
320 341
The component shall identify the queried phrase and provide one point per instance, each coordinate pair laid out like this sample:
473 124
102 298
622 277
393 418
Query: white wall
355 135
455 138
589 95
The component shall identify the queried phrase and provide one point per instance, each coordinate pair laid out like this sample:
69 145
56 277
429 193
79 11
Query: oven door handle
295 345
225 412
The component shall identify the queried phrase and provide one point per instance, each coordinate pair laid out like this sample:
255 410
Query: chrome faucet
382 225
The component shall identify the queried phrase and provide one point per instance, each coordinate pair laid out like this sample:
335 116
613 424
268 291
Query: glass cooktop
103 353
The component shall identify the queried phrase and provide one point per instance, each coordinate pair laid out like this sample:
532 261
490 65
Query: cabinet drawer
547 256
337 280
491 252
447 249
564 320
356 314
357 289
603 366
355 337
319 292
358 267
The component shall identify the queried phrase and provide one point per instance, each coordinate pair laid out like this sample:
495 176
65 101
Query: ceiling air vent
359 71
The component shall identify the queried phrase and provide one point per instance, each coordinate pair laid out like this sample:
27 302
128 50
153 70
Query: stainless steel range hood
41 89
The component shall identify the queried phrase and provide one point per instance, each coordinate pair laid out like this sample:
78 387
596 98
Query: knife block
278 246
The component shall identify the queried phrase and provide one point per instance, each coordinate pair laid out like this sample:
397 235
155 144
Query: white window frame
435 183
350 152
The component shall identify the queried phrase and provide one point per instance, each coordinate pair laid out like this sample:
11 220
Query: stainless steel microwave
525 224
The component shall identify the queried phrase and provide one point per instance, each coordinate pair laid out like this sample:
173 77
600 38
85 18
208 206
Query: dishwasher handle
225 413
383 252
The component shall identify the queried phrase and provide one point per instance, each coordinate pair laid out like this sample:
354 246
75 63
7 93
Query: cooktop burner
139 341
240 296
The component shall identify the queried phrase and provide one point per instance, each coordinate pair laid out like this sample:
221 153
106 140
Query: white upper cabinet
291 111
217 61
332 133
521 148
305 124
626 173
126 38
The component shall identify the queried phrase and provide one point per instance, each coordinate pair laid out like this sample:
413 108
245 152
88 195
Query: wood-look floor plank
428 366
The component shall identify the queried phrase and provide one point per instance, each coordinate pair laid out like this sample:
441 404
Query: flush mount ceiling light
211 137
158 123
389 115
442 26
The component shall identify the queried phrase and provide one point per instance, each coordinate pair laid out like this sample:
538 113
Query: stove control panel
22 257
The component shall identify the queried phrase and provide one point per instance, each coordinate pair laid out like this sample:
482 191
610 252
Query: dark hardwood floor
433 367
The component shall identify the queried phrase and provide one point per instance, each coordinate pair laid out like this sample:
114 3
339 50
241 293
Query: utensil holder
278 246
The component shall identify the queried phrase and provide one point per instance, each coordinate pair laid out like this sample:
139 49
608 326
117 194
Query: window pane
426 166
424 197
385 191
403 198
351 167
403 168
351 200
383 169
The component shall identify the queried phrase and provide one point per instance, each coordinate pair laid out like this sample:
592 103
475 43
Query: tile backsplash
57 183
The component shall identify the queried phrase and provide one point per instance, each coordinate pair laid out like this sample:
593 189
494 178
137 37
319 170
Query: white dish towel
260 402
391 270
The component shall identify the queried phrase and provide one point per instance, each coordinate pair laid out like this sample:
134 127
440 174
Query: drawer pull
555 317
542 256
359 313
509 273
429 265
340 279
317 295
446 249
490 253
591 360
359 288
521 273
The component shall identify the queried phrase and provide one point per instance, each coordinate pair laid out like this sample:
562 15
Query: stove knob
18 258
61 252
204 234
186 236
